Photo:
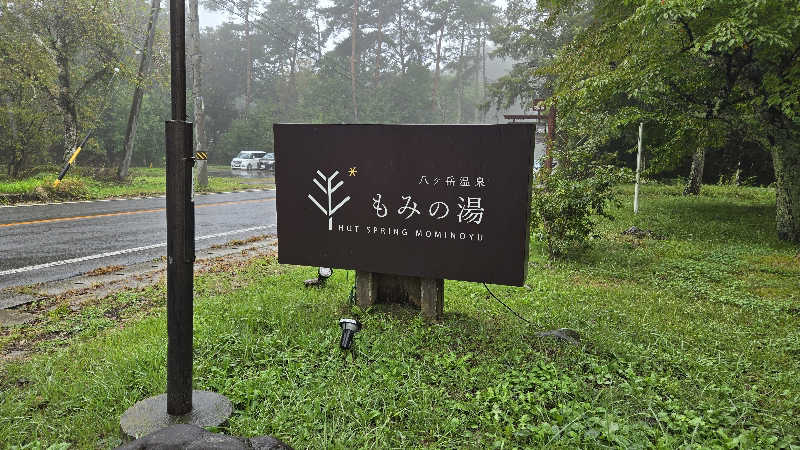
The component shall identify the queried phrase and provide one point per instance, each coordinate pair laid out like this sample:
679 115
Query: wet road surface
51 242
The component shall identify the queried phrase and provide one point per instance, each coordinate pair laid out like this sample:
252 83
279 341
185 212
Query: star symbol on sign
352 171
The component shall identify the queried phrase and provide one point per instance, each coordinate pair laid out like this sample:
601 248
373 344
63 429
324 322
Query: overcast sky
211 18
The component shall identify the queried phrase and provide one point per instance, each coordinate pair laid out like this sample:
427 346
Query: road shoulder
46 315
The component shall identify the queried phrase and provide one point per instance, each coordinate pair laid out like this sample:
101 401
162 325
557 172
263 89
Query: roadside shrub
567 201
108 174
42 169
70 188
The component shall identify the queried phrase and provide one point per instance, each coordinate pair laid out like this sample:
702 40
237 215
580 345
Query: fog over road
41 243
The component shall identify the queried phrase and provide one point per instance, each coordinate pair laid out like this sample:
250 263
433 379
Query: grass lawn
79 184
689 339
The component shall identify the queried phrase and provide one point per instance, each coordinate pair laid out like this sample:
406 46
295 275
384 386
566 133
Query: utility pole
197 93
180 404
138 91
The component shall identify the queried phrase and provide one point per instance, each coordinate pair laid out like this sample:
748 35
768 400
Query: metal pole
180 226
177 26
638 168
206 408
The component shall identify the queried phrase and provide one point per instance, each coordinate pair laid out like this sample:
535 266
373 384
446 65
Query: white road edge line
122 252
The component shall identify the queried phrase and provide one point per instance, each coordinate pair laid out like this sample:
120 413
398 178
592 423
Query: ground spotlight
323 273
349 329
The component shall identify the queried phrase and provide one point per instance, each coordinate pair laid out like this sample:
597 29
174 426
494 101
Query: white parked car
248 160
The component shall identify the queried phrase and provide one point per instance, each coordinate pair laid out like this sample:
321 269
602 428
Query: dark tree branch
730 77
686 97
689 34
90 81
31 75
786 64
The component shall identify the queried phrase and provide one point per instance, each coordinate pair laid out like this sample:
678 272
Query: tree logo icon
330 210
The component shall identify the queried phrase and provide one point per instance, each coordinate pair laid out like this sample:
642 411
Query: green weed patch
87 184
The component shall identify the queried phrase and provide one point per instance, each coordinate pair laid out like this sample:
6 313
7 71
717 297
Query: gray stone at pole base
562 334
209 409
424 293
192 437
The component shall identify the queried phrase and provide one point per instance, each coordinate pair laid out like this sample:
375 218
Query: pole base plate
209 409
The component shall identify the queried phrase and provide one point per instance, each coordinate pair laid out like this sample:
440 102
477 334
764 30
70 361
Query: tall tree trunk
319 35
291 106
378 50
70 129
20 146
138 92
696 172
460 81
786 162
401 43
437 103
248 93
353 38
14 162
197 92
67 106
477 79
483 81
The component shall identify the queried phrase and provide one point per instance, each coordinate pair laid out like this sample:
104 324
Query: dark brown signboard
434 201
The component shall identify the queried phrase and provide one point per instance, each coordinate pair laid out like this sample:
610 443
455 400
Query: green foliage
300 54
398 99
531 36
82 41
106 145
26 131
26 125
324 97
253 133
568 201
702 72
57 61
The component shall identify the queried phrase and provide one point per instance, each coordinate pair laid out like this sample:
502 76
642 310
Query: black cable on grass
507 307
352 300
352 297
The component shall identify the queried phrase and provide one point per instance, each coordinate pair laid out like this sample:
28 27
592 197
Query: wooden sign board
432 201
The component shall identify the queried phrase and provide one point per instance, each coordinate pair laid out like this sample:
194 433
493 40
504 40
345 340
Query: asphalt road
50 242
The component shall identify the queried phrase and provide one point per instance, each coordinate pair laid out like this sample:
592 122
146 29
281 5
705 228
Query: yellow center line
127 213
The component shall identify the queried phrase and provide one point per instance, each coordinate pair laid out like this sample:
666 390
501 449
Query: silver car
267 163
248 160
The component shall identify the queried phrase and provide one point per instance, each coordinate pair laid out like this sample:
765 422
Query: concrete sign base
424 293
